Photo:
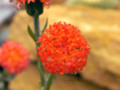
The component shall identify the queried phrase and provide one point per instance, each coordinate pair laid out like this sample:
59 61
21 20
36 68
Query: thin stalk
37 35
3 81
6 85
45 83
49 81
36 27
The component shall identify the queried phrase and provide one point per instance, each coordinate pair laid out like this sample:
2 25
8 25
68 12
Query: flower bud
34 8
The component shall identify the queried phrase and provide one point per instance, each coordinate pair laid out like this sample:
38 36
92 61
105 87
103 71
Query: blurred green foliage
105 4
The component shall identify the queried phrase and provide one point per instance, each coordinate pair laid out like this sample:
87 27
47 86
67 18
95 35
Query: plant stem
37 35
36 27
49 81
6 85
3 81
45 84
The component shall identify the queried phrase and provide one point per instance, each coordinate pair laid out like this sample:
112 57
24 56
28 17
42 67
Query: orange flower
46 2
19 2
63 49
13 57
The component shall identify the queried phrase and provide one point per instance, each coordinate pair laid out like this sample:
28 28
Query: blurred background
99 21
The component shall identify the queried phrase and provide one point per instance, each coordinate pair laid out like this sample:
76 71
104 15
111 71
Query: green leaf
32 35
45 25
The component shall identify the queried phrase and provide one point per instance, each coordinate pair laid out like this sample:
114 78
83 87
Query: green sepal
32 35
34 7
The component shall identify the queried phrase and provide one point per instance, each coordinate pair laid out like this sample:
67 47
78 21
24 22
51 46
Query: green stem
41 74
3 81
37 34
6 85
49 81
45 84
36 26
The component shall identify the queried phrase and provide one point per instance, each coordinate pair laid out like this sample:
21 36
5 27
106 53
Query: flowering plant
60 49
14 58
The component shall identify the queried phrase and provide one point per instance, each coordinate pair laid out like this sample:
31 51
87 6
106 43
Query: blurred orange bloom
13 57
19 2
63 49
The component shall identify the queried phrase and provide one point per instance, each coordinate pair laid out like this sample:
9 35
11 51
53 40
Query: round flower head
13 57
63 49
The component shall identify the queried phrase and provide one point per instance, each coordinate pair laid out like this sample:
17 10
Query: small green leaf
45 25
32 35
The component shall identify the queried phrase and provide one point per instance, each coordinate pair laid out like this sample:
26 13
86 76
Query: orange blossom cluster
63 49
13 57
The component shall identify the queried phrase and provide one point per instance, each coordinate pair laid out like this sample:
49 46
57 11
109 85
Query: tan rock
104 61
29 80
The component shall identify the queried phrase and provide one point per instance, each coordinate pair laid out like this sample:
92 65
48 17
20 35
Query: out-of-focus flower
13 57
63 49
19 2
46 2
